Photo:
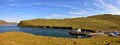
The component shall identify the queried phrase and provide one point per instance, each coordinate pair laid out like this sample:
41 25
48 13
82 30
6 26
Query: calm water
38 31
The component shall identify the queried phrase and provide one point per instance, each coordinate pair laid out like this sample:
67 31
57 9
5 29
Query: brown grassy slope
20 38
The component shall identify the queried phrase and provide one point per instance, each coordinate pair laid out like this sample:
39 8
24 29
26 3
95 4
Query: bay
38 31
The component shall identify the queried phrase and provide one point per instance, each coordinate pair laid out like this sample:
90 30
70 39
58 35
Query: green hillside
97 22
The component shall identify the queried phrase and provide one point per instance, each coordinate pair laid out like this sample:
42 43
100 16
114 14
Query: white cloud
45 3
56 16
50 3
108 7
61 5
21 5
78 12
61 16
39 3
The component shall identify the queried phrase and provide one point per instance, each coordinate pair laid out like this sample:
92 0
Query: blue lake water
38 31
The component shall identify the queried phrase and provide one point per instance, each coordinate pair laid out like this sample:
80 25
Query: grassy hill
97 22
107 17
20 38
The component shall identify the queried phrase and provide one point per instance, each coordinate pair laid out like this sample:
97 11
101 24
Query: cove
38 31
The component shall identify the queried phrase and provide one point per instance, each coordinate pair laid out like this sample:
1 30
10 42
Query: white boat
77 32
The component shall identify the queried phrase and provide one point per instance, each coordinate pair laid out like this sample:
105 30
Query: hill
20 38
107 17
2 22
97 22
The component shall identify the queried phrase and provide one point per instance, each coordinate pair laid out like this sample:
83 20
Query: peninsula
97 22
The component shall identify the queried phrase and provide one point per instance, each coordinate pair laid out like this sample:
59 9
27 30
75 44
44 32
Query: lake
38 31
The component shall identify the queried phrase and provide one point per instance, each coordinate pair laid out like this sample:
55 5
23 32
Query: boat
117 33
114 34
78 32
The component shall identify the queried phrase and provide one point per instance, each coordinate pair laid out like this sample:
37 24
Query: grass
20 38
97 22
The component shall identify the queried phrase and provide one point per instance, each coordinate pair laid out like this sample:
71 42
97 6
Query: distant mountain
96 22
2 22
12 23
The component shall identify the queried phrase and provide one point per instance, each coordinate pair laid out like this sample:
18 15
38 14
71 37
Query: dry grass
20 38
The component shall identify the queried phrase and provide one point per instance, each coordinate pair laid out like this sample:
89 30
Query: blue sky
16 10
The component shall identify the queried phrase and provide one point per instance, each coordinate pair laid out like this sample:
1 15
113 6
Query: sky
17 10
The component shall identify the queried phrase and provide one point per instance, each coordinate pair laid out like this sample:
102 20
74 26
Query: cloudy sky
16 10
